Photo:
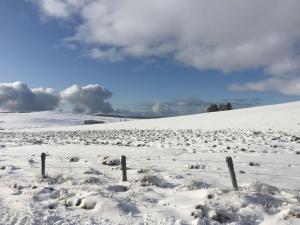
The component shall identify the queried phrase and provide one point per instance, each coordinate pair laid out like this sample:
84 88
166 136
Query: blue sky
33 51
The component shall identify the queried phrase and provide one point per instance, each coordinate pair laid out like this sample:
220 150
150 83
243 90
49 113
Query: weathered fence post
232 173
43 159
124 172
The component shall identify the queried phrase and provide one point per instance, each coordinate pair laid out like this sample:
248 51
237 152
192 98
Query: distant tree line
221 107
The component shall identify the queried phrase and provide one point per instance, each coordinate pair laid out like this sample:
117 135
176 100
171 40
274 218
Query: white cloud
286 67
17 97
206 34
111 54
285 86
62 9
88 99
92 99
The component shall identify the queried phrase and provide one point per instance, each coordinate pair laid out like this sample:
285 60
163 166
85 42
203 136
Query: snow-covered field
176 168
14 121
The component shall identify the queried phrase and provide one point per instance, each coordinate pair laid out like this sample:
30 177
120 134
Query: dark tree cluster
221 107
213 108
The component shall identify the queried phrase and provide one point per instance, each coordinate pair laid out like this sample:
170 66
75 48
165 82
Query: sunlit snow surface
176 168
16 121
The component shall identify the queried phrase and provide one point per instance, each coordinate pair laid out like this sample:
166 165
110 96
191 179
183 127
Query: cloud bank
188 106
206 34
217 35
281 85
88 99
93 99
18 97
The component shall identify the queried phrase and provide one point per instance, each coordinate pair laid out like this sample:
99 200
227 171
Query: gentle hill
278 117
16 121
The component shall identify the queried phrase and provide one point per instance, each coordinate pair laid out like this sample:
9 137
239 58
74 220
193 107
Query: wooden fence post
124 172
43 160
232 173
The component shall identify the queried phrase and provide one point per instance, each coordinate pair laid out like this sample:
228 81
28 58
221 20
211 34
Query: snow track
13 216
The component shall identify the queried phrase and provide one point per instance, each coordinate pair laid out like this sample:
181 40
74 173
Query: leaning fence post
232 173
43 160
124 172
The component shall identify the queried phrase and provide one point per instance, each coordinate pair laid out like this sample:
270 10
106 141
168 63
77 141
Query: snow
176 168
263 118
14 121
